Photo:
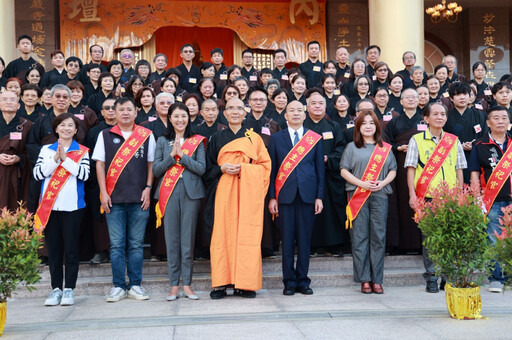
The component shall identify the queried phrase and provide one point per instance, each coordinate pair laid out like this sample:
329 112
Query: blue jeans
494 225
126 227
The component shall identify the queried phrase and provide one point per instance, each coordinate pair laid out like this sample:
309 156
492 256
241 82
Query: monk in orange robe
239 164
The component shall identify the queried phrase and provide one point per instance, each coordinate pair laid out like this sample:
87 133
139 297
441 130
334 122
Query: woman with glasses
143 69
357 69
479 70
382 75
133 86
362 90
271 86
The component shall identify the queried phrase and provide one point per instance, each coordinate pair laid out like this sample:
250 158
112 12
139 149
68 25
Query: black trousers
296 222
62 234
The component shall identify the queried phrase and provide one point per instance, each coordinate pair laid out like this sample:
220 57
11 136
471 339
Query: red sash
371 173
499 176
59 177
172 176
293 158
124 154
434 164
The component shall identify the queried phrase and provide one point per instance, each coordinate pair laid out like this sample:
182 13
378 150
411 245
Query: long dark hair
170 134
358 137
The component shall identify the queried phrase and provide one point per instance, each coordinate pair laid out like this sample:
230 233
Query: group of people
232 163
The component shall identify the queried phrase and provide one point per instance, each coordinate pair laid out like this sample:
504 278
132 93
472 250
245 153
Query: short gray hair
414 68
59 87
163 95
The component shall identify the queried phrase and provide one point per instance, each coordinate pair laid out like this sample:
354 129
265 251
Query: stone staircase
324 272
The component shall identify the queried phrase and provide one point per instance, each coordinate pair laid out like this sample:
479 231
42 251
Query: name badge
223 76
350 126
316 68
79 116
179 99
487 92
15 136
446 94
327 135
374 77
247 109
214 95
509 126
192 80
265 130
337 92
151 119
347 75
477 128
479 106
123 90
253 78
387 118
284 77
422 127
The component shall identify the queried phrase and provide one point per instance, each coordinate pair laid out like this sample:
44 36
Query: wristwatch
149 186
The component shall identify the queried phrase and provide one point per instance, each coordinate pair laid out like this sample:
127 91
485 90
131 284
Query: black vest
133 179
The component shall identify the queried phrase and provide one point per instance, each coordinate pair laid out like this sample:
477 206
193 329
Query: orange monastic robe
238 224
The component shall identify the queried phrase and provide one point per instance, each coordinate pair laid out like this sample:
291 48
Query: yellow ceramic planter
464 303
3 315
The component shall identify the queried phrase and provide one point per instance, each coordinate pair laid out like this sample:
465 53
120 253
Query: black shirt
189 79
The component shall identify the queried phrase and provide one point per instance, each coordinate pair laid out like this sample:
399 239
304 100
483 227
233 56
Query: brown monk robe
241 159
14 170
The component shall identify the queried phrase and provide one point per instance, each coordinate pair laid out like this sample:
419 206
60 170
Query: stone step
95 285
269 265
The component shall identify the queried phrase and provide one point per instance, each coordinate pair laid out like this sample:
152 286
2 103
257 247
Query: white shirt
300 132
99 149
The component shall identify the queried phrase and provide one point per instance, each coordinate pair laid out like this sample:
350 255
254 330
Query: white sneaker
116 294
138 293
54 298
68 297
496 287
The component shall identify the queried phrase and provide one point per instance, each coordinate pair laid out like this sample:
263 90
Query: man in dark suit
296 192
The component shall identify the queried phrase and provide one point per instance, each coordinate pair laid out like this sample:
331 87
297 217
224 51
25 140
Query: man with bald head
330 233
237 175
296 193
13 134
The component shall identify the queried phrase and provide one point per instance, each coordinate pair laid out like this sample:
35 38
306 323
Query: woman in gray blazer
175 157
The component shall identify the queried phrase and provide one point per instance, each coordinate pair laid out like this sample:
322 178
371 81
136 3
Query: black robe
406 234
19 67
313 72
186 75
22 112
469 127
14 179
342 74
208 131
51 78
329 229
142 116
95 102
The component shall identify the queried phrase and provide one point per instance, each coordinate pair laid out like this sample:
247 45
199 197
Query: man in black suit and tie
296 193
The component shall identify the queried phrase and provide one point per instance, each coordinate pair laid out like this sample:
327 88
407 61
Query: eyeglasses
163 102
126 56
410 97
363 84
232 93
273 87
247 57
59 96
381 96
258 100
188 51
107 107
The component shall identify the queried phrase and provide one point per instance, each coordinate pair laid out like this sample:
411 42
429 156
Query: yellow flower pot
464 303
3 315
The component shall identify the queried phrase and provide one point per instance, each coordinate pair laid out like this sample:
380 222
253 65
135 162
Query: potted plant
19 262
454 229
503 246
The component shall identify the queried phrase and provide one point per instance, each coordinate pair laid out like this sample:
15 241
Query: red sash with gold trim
172 176
293 158
498 177
434 164
124 154
59 177
371 173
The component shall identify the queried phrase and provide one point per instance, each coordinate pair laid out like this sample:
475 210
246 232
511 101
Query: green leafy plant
503 245
19 242
454 227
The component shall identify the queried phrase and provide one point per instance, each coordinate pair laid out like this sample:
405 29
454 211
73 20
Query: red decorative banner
498 178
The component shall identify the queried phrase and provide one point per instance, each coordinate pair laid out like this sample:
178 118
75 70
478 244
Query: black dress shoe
217 294
304 290
245 293
432 287
288 291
